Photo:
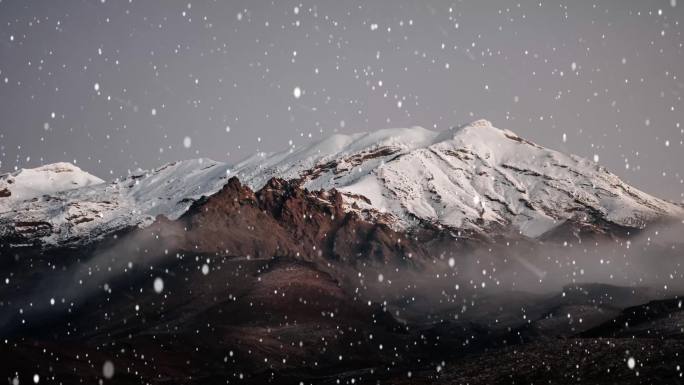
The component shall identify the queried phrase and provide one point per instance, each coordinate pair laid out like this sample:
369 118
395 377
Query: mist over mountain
366 256
330 192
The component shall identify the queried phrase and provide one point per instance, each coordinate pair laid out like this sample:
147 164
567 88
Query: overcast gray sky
117 85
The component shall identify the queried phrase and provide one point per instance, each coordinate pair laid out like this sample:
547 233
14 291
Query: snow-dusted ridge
86 213
475 177
472 177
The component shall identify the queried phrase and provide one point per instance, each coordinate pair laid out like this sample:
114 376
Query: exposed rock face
283 219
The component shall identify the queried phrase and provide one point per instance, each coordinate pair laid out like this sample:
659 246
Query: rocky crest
283 219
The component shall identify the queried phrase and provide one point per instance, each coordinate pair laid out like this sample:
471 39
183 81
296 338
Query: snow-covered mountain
49 179
476 177
64 214
472 177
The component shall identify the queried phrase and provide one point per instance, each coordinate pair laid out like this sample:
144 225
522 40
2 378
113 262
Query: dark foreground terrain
283 286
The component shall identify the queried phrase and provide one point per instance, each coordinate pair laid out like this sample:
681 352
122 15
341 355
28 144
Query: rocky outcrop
283 219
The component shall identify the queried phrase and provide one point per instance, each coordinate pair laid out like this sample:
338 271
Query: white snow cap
481 123
469 177
29 183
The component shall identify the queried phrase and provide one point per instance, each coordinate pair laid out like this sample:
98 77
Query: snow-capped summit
48 179
480 123
63 216
474 177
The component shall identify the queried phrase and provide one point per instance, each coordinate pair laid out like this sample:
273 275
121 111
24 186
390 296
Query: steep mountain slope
85 214
306 225
475 178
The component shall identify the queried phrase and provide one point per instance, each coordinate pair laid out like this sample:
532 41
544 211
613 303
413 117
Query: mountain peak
475 177
56 167
28 183
481 123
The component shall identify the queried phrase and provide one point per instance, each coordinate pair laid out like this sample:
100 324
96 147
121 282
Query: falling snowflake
158 285
631 363
108 370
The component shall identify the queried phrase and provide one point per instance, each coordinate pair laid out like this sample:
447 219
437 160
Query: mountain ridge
475 178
